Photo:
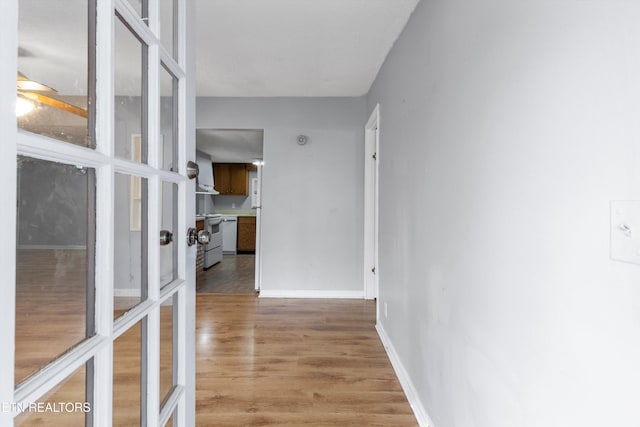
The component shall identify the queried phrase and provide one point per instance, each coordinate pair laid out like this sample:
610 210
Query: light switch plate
625 231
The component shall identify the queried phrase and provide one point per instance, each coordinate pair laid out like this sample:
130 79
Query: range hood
205 184
206 189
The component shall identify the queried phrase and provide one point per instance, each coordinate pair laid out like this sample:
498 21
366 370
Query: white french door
97 314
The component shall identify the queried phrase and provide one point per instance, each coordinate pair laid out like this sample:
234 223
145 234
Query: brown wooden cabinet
231 178
246 234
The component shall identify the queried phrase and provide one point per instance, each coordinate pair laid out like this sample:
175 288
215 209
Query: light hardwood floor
50 306
260 362
284 362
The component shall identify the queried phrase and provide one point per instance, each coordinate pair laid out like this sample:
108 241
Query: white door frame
8 177
258 257
371 169
99 347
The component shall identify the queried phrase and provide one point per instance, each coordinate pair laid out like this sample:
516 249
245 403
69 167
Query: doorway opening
229 202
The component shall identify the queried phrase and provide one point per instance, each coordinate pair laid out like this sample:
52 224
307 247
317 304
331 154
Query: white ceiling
288 48
231 145
294 47
243 47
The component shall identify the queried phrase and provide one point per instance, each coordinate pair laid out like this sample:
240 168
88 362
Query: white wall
508 126
312 194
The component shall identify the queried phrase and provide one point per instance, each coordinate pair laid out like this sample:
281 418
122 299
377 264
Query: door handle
192 169
194 236
166 237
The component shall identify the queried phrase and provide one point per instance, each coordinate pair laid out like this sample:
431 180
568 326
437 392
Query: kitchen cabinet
231 178
246 234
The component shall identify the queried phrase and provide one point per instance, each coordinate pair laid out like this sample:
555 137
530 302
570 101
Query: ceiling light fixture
258 163
23 106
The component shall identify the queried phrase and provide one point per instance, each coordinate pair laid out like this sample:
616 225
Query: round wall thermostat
302 139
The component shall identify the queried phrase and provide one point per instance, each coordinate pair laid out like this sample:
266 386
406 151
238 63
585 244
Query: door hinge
375 156
373 270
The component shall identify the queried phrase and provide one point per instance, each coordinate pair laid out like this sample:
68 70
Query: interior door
371 227
96 112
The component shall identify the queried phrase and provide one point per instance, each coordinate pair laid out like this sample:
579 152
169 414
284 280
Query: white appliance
255 193
205 176
229 234
213 250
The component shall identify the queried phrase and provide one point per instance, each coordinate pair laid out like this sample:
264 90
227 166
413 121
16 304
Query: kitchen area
228 206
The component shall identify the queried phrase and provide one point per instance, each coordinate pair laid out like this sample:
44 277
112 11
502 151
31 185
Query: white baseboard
405 381
277 293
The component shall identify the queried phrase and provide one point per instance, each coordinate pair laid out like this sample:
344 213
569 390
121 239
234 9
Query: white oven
213 250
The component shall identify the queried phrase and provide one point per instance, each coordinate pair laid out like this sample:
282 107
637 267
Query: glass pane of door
130 94
169 252
130 242
55 261
68 404
167 355
54 85
168 12
127 377
168 119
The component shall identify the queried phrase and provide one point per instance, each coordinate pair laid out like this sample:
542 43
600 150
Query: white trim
258 259
371 204
170 405
54 247
132 318
374 118
186 375
154 159
105 189
8 34
276 293
423 418
43 381
43 148
141 29
168 60
171 288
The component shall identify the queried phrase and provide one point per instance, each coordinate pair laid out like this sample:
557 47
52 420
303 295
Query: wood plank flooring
235 274
260 362
283 362
50 303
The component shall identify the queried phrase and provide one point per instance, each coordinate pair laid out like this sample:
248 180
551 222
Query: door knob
166 237
194 236
192 169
